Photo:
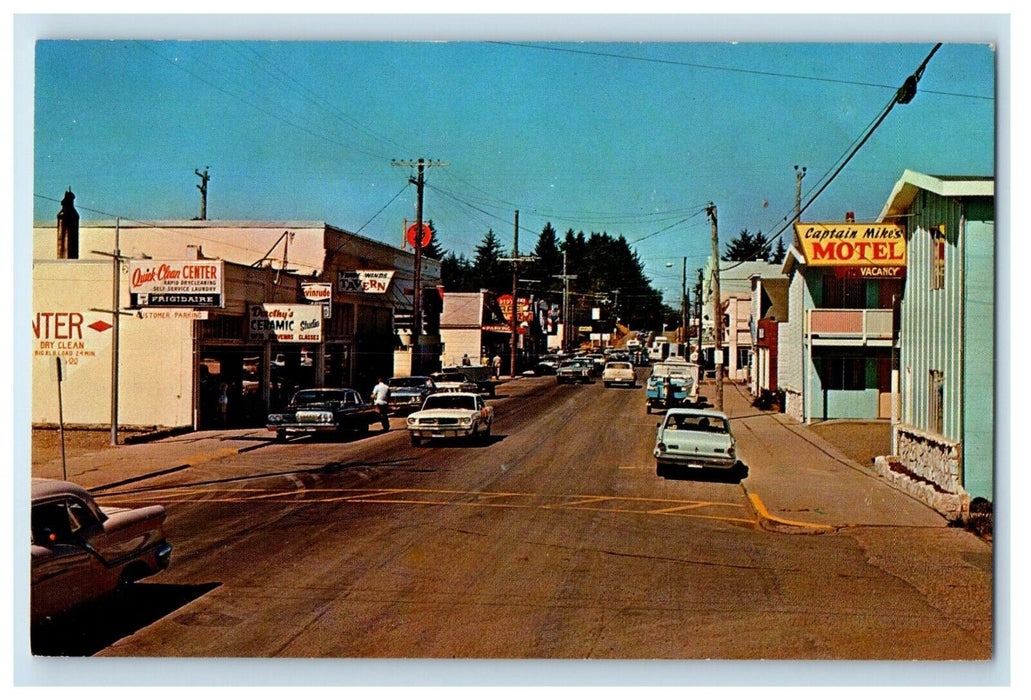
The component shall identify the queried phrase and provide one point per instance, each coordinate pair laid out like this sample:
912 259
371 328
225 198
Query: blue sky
628 137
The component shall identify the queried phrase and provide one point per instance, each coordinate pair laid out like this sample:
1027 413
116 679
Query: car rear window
700 424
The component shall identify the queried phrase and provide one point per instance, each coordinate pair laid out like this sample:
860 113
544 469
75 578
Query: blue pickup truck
672 383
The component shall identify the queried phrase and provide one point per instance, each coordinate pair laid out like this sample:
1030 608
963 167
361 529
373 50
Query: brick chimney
68 229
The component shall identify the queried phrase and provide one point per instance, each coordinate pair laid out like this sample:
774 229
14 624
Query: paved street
554 540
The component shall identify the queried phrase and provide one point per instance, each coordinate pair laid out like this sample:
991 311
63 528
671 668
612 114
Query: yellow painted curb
765 515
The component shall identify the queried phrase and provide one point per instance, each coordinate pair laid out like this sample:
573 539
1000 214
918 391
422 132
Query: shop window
743 357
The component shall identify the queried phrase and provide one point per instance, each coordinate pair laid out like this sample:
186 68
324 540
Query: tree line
608 274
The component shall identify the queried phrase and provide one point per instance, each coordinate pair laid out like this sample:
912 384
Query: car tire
416 440
661 470
280 436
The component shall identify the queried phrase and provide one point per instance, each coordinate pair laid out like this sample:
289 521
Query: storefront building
736 307
844 282
283 305
769 310
944 429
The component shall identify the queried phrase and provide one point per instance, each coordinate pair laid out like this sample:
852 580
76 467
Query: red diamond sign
99 326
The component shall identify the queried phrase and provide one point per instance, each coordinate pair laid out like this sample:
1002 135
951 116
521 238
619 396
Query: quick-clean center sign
176 283
880 249
286 323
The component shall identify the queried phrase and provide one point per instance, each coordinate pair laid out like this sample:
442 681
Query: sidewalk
800 481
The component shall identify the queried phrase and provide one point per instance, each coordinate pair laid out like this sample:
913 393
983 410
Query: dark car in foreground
81 552
323 411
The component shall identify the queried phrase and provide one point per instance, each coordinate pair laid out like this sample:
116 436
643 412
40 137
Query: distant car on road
451 415
574 371
618 372
81 552
408 393
694 439
323 410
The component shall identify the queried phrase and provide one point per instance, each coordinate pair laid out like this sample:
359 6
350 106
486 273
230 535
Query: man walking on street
380 392
496 365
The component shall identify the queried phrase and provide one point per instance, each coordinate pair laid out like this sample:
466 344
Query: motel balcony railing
849 326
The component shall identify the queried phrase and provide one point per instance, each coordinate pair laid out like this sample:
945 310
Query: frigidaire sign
176 283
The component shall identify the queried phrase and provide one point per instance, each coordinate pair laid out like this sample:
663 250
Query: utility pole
698 303
419 181
683 303
116 313
514 321
203 187
717 305
799 174
565 301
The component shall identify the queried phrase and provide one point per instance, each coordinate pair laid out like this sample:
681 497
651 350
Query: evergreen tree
779 252
748 247
433 250
488 271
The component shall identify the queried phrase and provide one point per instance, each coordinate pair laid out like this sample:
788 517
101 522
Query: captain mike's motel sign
855 250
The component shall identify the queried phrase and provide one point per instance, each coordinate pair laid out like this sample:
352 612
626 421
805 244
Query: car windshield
619 365
696 423
399 382
450 401
324 396
452 378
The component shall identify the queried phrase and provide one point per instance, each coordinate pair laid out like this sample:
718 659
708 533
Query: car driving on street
694 439
618 372
450 415
408 393
573 371
323 410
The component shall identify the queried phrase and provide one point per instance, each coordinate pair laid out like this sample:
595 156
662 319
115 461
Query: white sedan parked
450 415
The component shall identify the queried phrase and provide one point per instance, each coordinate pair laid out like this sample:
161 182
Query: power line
728 69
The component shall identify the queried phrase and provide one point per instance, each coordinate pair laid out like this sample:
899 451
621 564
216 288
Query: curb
771 523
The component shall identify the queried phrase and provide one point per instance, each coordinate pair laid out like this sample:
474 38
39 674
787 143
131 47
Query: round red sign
424 240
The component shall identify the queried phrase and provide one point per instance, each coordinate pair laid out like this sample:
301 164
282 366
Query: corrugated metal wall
932 319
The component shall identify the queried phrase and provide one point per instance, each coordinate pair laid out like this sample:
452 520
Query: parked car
81 552
323 410
573 371
450 415
450 382
479 375
618 372
408 393
695 439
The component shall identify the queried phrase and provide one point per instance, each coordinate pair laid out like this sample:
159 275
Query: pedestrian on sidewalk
380 393
496 365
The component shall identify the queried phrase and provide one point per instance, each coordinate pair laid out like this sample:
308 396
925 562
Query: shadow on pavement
716 476
97 625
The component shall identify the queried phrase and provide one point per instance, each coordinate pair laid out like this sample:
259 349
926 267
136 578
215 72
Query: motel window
938 257
844 374
936 401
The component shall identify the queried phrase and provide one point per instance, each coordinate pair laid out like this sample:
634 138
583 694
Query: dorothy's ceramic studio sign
285 323
192 284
